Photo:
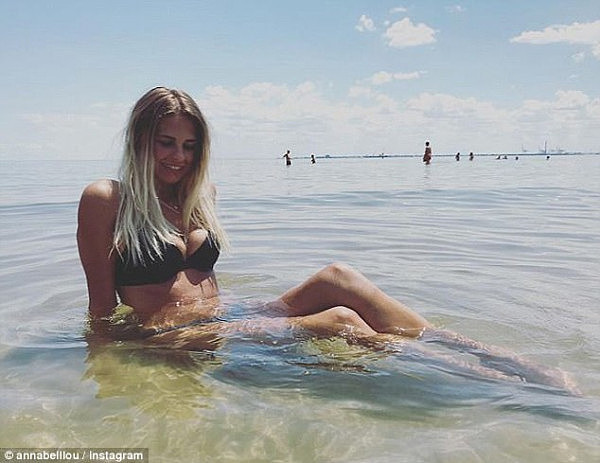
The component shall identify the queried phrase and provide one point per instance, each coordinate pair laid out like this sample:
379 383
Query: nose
179 152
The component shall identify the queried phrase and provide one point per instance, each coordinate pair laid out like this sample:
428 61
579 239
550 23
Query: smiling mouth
172 167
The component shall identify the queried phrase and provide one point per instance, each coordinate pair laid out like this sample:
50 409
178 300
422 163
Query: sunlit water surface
506 252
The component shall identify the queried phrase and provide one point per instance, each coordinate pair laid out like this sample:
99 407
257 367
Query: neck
167 194
173 206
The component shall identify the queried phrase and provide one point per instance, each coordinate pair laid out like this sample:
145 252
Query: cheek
160 153
190 160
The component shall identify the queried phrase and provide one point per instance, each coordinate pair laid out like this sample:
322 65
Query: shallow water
505 252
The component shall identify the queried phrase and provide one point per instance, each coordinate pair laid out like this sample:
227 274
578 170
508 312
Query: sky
334 77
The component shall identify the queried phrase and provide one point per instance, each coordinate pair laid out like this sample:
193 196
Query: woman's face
174 146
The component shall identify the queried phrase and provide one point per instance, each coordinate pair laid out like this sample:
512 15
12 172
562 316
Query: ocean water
503 251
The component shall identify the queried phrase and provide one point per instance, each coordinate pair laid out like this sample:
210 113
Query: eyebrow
162 135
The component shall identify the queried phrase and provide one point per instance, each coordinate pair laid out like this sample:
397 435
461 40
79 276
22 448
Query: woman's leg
339 286
335 321
505 361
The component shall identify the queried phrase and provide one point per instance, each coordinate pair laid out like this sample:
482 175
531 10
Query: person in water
288 158
427 154
148 244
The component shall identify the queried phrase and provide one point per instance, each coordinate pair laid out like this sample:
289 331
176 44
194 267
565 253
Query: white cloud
381 77
581 33
365 24
407 75
93 133
570 100
571 120
263 118
384 77
576 33
398 9
358 91
404 33
443 106
456 9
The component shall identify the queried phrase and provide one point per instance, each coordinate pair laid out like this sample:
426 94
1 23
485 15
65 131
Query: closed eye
165 142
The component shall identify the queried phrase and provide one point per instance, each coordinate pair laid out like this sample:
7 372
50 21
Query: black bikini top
160 269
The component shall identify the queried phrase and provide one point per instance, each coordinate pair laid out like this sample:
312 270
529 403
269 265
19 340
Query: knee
338 273
346 321
344 316
336 321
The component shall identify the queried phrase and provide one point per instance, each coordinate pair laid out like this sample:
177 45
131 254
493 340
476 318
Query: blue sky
337 77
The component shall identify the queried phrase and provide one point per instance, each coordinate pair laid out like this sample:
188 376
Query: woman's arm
97 214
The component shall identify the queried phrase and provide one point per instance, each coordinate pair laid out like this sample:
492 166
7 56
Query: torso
427 155
188 290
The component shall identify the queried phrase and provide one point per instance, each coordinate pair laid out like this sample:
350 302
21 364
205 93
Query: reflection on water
251 387
505 253
161 382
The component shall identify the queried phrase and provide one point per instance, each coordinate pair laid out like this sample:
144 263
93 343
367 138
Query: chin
170 177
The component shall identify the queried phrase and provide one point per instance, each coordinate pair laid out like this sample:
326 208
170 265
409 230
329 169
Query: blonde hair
141 227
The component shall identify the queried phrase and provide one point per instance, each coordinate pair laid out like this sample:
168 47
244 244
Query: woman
148 244
150 240
427 154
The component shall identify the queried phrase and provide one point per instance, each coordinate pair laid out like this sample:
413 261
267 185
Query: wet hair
141 227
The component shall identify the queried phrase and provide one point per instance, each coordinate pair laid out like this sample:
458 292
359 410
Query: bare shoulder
105 190
101 197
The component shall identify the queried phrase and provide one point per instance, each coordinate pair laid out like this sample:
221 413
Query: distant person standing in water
427 155
471 156
457 157
312 159
288 158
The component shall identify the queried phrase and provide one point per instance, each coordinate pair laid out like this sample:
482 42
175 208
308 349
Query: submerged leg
495 363
505 361
340 285
335 321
